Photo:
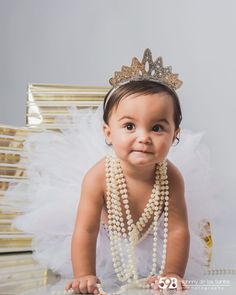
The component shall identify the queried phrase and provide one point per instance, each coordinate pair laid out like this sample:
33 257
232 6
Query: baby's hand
84 285
168 281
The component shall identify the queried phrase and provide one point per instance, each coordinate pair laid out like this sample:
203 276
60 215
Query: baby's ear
107 133
177 134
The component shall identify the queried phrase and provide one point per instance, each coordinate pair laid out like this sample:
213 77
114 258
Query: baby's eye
129 126
156 128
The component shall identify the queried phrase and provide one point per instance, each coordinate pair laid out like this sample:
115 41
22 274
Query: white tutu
57 162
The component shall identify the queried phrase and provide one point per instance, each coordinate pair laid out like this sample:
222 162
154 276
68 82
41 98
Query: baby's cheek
123 142
164 148
121 147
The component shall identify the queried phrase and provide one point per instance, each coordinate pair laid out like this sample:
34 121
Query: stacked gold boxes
18 269
12 173
45 105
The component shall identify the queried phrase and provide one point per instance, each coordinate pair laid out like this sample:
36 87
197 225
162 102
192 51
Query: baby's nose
144 137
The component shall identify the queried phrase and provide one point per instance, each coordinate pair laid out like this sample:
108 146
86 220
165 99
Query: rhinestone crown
146 70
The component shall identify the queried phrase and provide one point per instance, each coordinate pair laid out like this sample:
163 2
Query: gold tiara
146 70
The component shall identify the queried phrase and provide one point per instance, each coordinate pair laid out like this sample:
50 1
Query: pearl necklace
124 240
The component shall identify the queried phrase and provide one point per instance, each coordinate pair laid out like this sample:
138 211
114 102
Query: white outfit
56 166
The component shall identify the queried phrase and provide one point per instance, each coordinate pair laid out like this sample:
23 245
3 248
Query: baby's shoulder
175 177
95 176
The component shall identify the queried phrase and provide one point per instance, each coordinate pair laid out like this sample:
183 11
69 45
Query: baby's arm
178 231
83 246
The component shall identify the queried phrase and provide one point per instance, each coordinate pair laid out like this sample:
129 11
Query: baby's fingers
92 287
152 280
96 291
68 286
76 286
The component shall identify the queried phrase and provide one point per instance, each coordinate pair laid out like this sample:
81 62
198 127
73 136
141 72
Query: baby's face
141 129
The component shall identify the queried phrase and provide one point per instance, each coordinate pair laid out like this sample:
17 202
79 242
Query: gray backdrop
83 42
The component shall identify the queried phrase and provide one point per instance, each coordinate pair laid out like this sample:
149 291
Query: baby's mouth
142 151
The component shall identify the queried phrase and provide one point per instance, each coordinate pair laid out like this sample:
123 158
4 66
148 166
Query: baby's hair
140 87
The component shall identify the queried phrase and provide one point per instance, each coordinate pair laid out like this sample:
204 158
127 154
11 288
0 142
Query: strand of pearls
125 240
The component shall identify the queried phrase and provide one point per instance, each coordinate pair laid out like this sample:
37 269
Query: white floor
21 274
210 285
